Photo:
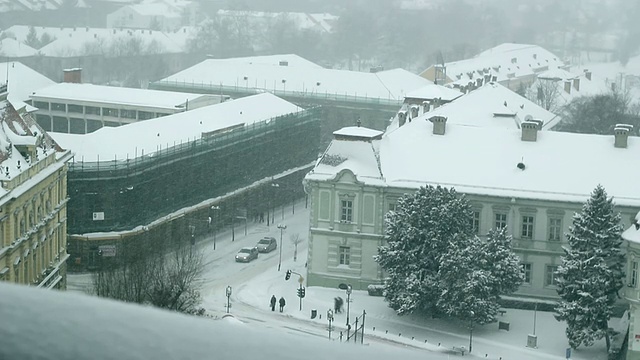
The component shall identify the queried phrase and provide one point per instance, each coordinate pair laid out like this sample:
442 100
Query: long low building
127 177
76 108
529 180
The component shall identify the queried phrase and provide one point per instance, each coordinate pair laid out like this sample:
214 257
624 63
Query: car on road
247 254
267 244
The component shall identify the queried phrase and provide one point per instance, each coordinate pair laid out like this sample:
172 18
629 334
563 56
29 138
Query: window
501 220
92 110
475 221
550 275
58 107
633 281
555 229
44 121
60 124
526 270
145 115
344 255
42 105
527 227
75 108
110 112
346 211
128 114
76 126
392 206
93 125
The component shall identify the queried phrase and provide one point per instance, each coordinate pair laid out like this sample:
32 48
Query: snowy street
255 282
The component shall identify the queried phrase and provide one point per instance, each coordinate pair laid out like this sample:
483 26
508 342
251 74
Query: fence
305 95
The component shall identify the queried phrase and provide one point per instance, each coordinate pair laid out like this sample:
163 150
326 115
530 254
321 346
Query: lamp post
273 205
282 227
330 318
228 298
471 331
215 209
348 301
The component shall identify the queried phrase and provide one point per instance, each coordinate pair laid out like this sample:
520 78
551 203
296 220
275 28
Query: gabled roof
358 157
147 137
334 84
504 61
491 105
22 81
12 48
479 160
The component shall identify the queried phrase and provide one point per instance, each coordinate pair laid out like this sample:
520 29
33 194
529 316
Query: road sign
98 216
107 250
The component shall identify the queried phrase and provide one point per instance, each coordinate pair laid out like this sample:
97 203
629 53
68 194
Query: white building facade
523 179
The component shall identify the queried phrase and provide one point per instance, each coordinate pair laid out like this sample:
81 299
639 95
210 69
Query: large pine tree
591 272
418 234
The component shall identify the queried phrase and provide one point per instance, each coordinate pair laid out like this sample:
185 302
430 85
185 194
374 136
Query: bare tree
153 271
295 240
545 93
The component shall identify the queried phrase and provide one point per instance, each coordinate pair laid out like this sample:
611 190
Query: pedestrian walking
273 303
337 304
282 303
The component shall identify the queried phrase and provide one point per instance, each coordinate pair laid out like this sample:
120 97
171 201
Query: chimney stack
576 84
587 74
621 134
73 75
567 87
529 131
439 125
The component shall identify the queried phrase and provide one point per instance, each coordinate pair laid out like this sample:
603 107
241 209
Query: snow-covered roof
358 132
491 105
22 81
147 137
504 61
390 84
557 74
483 160
71 325
274 60
359 157
155 9
116 95
433 91
633 232
580 85
80 41
12 48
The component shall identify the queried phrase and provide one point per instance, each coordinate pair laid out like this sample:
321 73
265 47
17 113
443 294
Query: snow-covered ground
254 283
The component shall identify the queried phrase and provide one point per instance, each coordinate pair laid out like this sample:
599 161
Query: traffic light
301 292
287 276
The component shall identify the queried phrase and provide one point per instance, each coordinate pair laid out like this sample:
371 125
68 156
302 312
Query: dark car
267 244
247 254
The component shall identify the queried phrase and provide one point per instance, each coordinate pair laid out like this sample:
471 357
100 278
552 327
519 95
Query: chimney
567 87
576 84
587 74
283 63
439 125
621 133
73 75
479 82
402 118
529 131
414 111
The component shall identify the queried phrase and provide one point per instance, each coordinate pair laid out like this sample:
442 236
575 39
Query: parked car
247 254
267 244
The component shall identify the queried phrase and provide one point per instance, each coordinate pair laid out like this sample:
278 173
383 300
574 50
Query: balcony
543 246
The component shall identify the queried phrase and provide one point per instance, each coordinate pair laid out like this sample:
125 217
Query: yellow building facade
33 200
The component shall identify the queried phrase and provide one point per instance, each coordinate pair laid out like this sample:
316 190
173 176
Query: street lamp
228 298
215 209
281 227
330 318
273 205
471 331
348 288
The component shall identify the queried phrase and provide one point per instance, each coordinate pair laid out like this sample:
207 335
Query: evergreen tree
591 272
418 234
502 262
32 38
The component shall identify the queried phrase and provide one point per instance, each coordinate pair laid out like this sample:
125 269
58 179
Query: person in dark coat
273 303
337 304
282 303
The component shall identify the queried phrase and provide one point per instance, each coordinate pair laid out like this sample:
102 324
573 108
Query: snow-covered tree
503 264
468 286
418 235
591 272
32 38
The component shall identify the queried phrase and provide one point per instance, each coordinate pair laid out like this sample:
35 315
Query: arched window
23 229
